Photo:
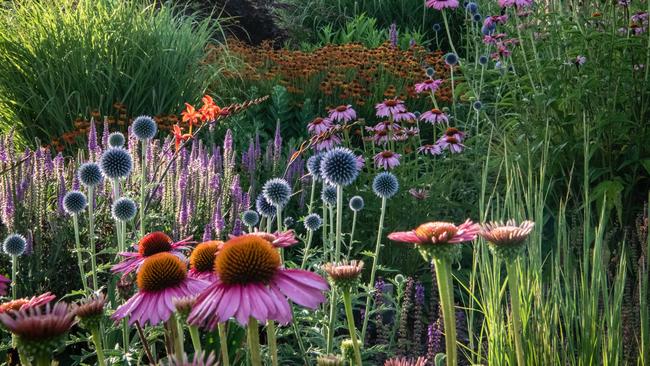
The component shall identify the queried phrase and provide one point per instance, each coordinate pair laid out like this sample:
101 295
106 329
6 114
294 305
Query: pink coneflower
4 285
455 133
430 149
329 143
438 232
507 234
387 159
442 4
252 283
429 85
390 107
25 304
150 244
202 260
379 137
517 3
161 278
343 113
361 162
319 125
404 116
278 239
412 131
419 193
384 126
451 143
403 361
434 116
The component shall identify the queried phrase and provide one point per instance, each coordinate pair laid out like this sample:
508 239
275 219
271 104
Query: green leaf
609 192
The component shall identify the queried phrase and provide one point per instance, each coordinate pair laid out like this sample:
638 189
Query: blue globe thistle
264 207
14 245
431 72
277 192
471 7
250 218
313 166
288 222
451 59
90 174
116 163
357 203
385 185
74 202
312 222
417 115
477 105
489 29
339 167
116 139
124 209
483 60
437 27
328 195
144 128
477 17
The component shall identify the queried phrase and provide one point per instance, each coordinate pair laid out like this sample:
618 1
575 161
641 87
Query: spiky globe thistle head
250 218
357 203
90 311
430 71
144 128
451 59
74 202
506 241
90 175
14 245
471 7
116 139
313 222
116 163
328 195
477 105
313 166
329 360
339 167
277 192
288 222
264 207
477 17
483 60
344 275
124 209
385 185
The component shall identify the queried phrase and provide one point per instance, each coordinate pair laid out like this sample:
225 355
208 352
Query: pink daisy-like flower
442 4
329 143
343 113
252 283
517 3
150 244
387 160
434 116
455 133
429 85
25 303
384 126
390 107
361 162
4 285
278 239
451 143
379 137
430 149
438 232
404 116
161 278
39 330
419 193
202 260
319 125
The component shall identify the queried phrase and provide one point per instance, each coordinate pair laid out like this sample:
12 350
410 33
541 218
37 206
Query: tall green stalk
305 256
254 342
354 226
339 222
273 344
373 271
80 263
91 234
446 290
14 270
513 284
223 343
143 183
195 337
347 302
99 348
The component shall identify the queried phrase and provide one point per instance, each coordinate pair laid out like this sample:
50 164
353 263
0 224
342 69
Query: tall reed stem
354 226
373 271
91 234
305 256
513 284
339 221
347 302
14 270
99 348
195 337
332 324
223 343
445 287
143 183
273 344
77 244
254 342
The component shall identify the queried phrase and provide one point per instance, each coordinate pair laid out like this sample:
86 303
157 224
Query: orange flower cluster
349 72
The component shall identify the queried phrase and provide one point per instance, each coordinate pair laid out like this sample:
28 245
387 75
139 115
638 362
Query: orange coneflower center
161 271
452 131
387 154
436 232
452 140
436 111
13 305
202 258
390 102
247 259
342 108
156 242
317 121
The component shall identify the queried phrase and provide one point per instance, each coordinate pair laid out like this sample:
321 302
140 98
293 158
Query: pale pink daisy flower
430 149
161 278
319 125
442 4
343 113
419 193
434 116
25 303
150 244
202 260
329 143
429 85
390 107
404 116
361 162
387 160
451 143
279 239
253 284
438 232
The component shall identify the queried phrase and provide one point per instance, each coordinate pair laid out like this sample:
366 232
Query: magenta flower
329 143
343 113
517 3
438 232
419 193
361 162
319 125
4 285
430 149
455 133
161 278
404 116
434 116
252 283
384 126
150 244
451 143
428 85
442 4
390 107
25 304
387 160
278 239
379 137
202 260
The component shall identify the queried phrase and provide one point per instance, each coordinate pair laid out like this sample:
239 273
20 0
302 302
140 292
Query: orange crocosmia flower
190 115
179 136
209 111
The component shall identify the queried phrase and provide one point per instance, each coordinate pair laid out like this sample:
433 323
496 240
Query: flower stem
278 215
254 342
339 221
91 234
43 361
331 236
443 277
143 182
223 343
97 340
354 226
305 256
373 271
273 344
14 269
311 196
451 43
196 338
331 325
125 337
77 243
513 284
347 302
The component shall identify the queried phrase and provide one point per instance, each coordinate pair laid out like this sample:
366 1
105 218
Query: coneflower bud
329 360
184 305
344 275
506 240
91 311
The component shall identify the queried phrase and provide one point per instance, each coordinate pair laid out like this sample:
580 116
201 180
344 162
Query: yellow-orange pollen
435 231
202 258
247 259
161 271
156 242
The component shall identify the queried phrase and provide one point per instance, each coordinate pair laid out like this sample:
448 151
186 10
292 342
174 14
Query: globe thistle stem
77 244
143 183
305 255
97 341
347 302
273 344
332 321
254 342
311 196
91 234
513 284
339 221
445 287
354 226
331 236
278 217
373 271
451 43
14 270
223 343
